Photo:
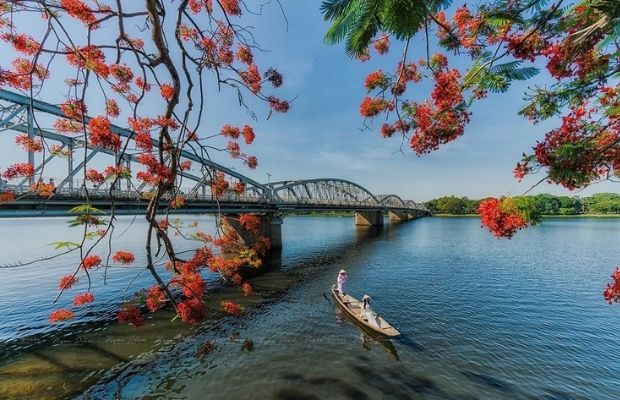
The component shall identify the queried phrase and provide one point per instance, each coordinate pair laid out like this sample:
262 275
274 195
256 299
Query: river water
480 318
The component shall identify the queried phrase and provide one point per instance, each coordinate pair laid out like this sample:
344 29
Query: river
480 318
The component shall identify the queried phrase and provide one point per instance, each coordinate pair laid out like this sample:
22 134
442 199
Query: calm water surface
481 318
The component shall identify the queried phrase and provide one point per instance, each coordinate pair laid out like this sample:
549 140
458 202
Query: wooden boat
353 308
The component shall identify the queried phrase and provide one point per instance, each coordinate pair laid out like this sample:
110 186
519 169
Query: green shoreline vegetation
599 205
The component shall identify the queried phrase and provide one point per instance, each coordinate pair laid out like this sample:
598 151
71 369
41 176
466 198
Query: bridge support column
271 228
399 216
369 218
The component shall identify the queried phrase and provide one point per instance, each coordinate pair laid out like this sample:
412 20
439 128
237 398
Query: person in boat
341 280
367 313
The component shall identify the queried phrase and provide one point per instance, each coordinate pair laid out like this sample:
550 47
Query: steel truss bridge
23 115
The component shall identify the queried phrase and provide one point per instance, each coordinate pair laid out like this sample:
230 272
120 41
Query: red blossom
123 257
612 292
19 170
500 217
375 80
191 311
219 184
231 308
244 54
112 109
382 44
83 298
101 133
247 289
91 261
23 43
130 315
155 298
278 105
28 143
248 134
167 91
372 107
77 9
94 176
230 131
238 188
89 57
60 315
67 281
6 197
250 222
231 7
177 202
251 162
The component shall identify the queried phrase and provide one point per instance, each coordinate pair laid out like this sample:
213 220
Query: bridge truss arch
18 114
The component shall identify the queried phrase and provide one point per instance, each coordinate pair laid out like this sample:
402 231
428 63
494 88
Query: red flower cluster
101 134
612 292
219 184
19 170
278 105
89 57
130 315
231 308
382 44
166 91
155 298
191 311
29 144
67 281
177 202
375 80
500 217
248 134
252 78
444 119
123 257
91 261
21 42
247 289
244 54
83 298
60 315
250 222
6 197
77 9
231 7
238 188
372 107
94 176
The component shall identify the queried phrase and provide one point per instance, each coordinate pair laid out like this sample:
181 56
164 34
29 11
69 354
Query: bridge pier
271 227
400 216
369 218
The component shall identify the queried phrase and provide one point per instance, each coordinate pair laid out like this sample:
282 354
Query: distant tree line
545 204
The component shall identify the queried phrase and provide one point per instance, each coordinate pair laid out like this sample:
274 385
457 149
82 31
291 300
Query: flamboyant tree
146 66
504 41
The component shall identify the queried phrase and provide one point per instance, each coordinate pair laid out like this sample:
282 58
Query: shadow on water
67 361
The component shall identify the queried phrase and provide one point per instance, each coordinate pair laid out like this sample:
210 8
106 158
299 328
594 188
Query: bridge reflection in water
22 115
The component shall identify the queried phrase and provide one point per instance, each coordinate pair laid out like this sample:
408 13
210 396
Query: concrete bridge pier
400 216
271 227
369 218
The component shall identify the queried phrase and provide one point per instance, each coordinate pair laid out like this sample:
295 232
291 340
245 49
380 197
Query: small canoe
353 308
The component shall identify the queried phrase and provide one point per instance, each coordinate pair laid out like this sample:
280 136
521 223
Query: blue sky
323 135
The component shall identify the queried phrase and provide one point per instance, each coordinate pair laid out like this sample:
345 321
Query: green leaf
61 245
85 209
